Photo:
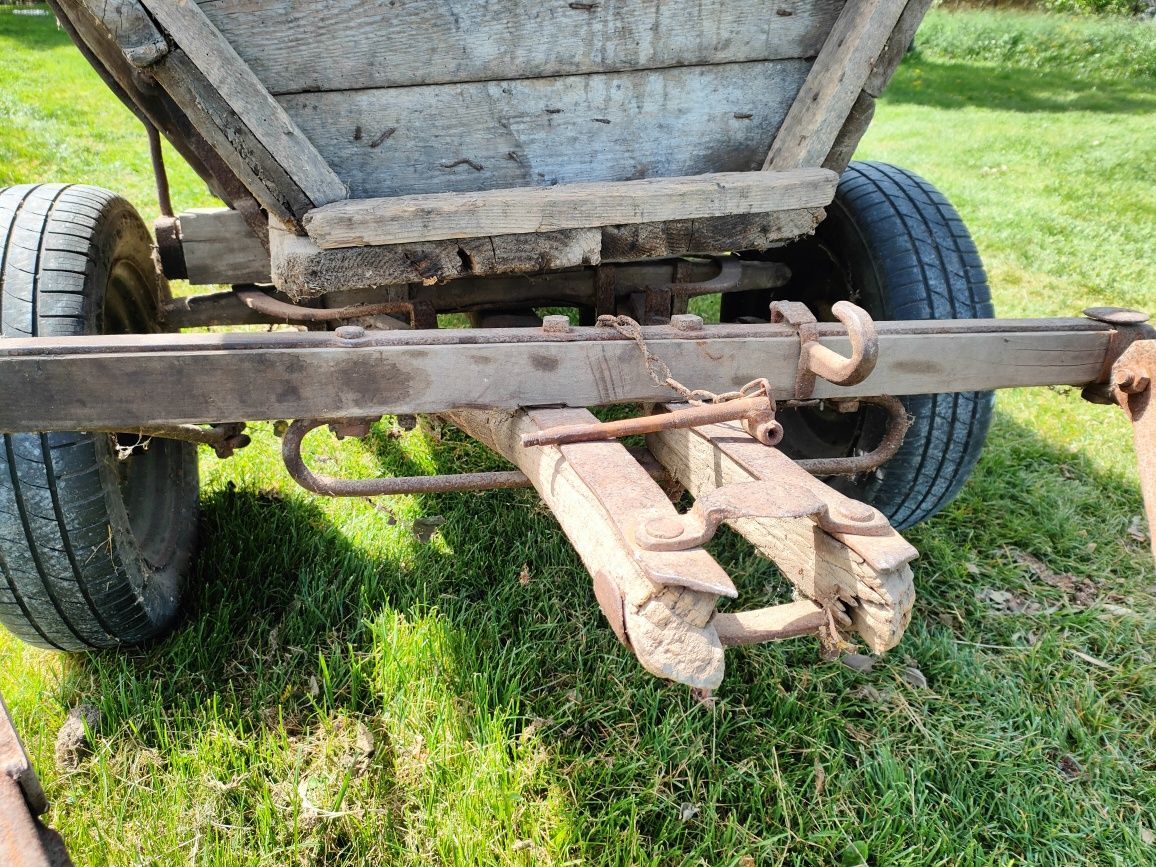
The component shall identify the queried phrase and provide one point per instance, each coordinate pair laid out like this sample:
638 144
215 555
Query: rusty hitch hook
815 359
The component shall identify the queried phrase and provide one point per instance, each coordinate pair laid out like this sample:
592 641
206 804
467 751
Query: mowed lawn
348 688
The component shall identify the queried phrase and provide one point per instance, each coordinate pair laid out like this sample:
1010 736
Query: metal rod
897 425
164 202
731 410
330 486
262 302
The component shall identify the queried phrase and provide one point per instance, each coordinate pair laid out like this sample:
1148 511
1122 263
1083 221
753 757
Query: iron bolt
665 528
350 332
686 322
556 324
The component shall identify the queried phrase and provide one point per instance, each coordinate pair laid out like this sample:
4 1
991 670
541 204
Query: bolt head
556 324
686 322
350 332
664 528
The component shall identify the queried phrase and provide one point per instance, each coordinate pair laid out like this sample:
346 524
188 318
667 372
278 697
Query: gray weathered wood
301 269
668 628
544 131
859 118
304 270
219 248
230 138
132 29
231 77
707 235
896 46
225 377
354 44
441 216
838 76
820 566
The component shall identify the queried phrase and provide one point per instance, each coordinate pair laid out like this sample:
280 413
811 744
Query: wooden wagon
385 163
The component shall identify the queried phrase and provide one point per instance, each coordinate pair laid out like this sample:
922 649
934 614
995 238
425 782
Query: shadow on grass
957 85
507 712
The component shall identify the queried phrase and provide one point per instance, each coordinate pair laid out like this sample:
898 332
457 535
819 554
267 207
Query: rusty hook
832 366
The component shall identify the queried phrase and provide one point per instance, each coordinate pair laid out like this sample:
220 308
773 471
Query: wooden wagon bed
441 139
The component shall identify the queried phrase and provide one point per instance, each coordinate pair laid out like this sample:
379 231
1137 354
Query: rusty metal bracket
330 486
893 435
815 359
761 499
1132 378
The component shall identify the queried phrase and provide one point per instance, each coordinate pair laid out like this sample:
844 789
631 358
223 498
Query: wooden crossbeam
175 378
439 216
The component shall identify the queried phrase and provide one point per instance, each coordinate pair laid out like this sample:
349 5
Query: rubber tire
893 244
93 550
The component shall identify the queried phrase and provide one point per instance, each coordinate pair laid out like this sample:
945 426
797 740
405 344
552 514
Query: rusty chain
659 371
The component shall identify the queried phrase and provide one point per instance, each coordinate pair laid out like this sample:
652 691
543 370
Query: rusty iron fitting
758 499
815 359
1132 377
353 428
894 433
760 409
832 366
330 486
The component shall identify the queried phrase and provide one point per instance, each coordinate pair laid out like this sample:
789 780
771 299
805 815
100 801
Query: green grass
1122 48
507 725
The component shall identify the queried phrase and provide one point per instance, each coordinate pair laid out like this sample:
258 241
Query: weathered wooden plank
301 269
232 78
151 104
219 248
707 235
821 567
304 270
896 46
354 44
862 111
668 628
149 379
833 84
132 29
230 138
442 216
539 132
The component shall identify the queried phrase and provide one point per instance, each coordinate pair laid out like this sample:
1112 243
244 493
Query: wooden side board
539 132
240 88
441 216
219 248
834 83
356 44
